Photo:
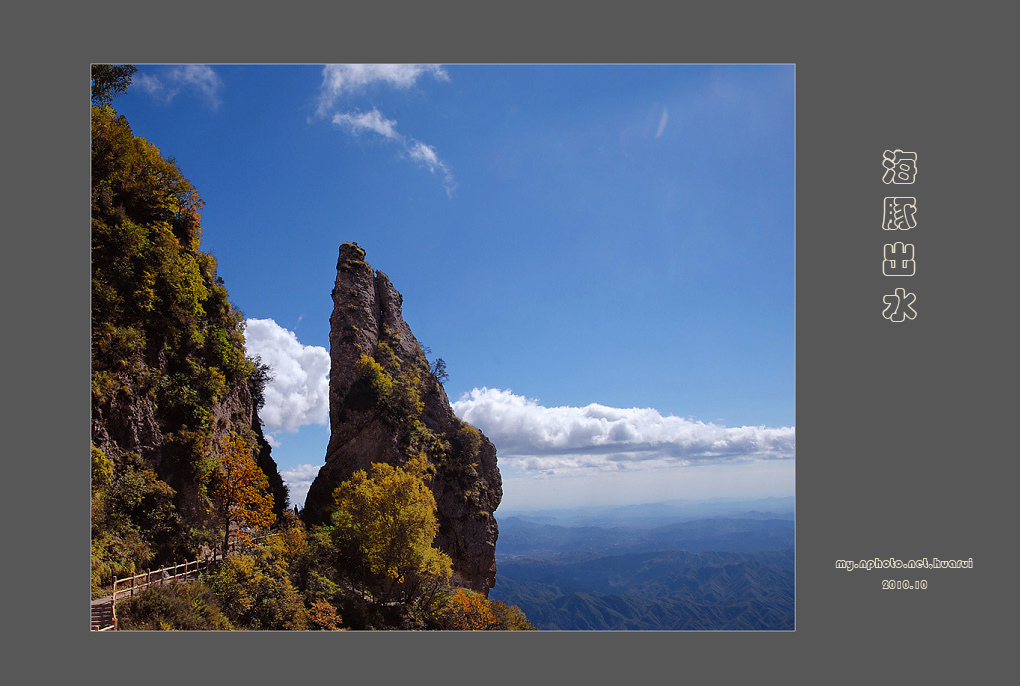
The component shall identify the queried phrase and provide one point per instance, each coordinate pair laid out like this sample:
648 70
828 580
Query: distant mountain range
674 590
731 572
656 514
521 538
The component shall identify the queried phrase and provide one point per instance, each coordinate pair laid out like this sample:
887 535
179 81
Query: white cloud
151 85
600 438
299 480
299 391
197 79
341 79
425 155
351 79
357 122
421 154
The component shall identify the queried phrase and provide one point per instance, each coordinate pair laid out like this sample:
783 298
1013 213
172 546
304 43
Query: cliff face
133 423
367 427
170 377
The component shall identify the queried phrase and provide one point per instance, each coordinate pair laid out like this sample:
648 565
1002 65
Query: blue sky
603 255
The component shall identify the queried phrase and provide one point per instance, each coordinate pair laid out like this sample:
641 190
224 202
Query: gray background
903 443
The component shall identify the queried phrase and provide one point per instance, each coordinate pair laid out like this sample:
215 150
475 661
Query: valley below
727 572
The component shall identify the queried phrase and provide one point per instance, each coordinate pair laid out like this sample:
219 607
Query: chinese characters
899 214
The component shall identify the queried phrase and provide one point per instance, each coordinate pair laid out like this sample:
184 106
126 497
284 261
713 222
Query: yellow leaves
324 616
217 385
292 538
102 468
242 490
468 611
372 372
387 357
387 520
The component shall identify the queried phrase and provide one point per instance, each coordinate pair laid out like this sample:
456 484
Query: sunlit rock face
364 428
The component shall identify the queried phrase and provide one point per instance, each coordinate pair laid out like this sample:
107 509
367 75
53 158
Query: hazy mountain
654 591
656 514
521 538
652 567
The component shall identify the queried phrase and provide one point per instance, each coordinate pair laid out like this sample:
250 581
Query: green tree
134 521
109 81
261 376
242 492
255 591
167 347
173 607
384 526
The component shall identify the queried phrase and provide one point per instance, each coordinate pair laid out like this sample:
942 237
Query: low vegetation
303 579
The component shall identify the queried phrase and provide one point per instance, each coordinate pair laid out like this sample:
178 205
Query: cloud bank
597 438
299 392
196 79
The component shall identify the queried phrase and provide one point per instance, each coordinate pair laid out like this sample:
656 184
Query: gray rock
367 320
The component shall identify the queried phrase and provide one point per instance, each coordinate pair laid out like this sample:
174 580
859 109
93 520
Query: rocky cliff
170 377
131 423
386 404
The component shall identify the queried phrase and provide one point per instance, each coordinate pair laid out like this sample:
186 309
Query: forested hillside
179 464
170 379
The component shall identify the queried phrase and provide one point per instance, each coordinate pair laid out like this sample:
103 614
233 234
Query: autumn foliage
466 610
168 345
167 350
242 492
384 525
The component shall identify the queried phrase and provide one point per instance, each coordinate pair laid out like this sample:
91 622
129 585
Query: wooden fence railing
175 573
127 586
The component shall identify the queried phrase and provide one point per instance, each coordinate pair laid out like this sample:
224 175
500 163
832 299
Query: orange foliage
468 611
242 490
324 616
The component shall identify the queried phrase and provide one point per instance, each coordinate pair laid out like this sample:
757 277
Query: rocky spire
367 320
